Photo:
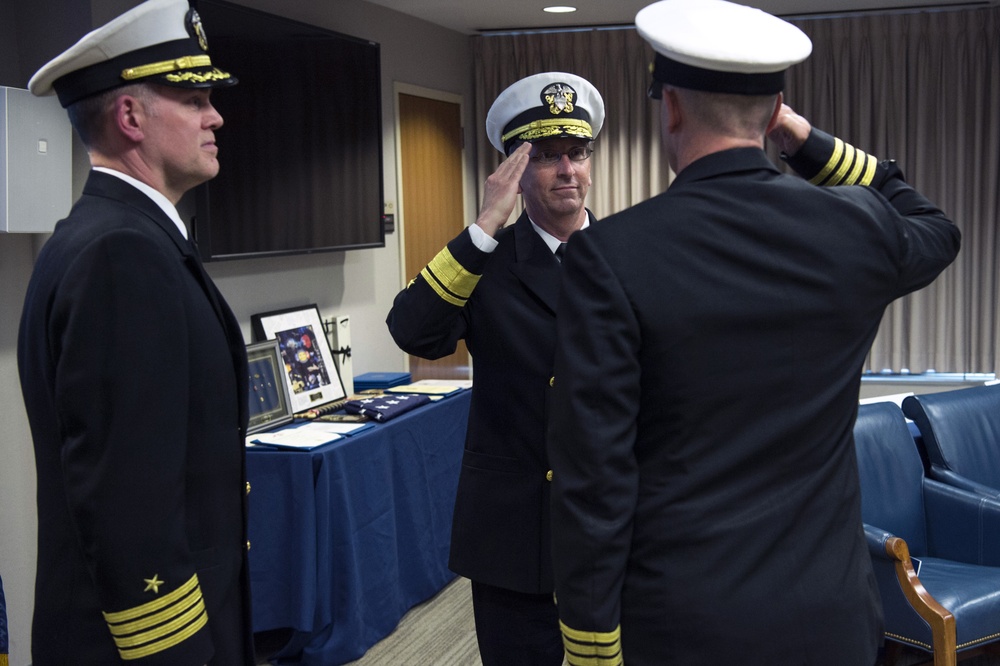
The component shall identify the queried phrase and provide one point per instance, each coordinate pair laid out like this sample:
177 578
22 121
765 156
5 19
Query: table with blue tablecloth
346 537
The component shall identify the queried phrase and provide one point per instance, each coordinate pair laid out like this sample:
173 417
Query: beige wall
360 283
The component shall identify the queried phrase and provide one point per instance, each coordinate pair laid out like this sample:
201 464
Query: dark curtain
920 87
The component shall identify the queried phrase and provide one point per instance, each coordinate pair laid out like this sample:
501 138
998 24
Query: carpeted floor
438 631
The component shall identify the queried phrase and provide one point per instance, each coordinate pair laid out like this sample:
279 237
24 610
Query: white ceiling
472 16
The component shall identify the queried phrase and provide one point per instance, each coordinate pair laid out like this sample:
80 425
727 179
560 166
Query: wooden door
432 206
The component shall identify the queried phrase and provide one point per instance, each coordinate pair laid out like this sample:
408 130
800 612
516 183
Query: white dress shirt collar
551 240
157 197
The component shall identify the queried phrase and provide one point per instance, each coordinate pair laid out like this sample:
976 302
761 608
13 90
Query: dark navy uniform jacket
503 304
711 340
133 371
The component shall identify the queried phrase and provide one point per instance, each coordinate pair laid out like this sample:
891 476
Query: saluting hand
502 188
790 131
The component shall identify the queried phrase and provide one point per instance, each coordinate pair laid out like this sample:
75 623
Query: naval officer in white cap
705 495
133 369
496 289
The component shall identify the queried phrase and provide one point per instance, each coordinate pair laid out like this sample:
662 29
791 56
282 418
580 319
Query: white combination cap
159 41
545 106
720 46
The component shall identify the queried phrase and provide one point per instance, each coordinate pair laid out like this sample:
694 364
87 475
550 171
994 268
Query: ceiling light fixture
559 9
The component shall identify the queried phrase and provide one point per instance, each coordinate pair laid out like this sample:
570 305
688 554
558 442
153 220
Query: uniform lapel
234 336
534 264
101 184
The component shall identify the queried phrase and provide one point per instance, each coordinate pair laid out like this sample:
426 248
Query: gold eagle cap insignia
559 97
196 29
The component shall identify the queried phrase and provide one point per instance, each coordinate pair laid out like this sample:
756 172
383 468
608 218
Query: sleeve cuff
828 161
482 240
159 625
449 279
592 648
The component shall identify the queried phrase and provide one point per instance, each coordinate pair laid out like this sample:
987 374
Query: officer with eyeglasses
496 287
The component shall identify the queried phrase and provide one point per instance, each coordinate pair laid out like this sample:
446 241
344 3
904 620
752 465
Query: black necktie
560 251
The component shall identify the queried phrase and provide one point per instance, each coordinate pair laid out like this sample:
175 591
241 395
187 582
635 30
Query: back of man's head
740 117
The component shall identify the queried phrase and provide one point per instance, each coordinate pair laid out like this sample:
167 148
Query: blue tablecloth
347 537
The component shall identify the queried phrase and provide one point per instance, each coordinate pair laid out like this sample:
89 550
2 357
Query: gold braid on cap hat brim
198 77
543 129
164 66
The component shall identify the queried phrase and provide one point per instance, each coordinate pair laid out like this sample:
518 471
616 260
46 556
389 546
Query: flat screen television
301 145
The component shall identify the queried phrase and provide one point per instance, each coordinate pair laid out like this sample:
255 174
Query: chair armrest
877 538
951 478
895 553
961 525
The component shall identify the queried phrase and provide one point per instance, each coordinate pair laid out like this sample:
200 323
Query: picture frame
311 374
269 402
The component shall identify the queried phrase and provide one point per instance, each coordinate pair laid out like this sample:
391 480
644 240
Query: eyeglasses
575 154
655 90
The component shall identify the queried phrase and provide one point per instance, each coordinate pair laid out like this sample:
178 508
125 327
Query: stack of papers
433 391
435 388
307 436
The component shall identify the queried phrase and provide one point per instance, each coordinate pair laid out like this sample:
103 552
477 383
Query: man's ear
672 107
129 117
774 114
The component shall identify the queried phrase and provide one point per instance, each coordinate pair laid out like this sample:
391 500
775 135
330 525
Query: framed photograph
310 371
268 391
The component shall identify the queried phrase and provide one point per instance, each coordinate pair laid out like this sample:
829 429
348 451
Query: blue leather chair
935 548
961 435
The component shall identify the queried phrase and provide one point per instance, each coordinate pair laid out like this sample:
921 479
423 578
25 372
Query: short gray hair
87 115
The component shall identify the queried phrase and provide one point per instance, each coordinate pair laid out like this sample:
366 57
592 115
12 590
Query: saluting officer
496 289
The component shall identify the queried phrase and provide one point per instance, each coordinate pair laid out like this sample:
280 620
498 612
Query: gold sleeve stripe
160 624
860 159
450 279
838 176
125 641
168 642
441 291
590 636
861 166
590 648
871 164
183 606
847 166
838 151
